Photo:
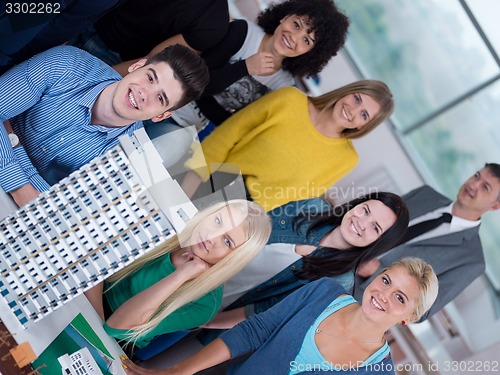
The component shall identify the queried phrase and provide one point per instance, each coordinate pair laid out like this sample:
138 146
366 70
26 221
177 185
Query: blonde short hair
427 281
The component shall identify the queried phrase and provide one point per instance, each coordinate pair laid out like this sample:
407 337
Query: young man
66 107
452 248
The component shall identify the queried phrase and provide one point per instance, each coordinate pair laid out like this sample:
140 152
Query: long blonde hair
377 90
257 231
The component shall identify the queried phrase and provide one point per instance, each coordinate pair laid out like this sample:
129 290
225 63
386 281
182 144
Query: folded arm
227 319
21 88
217 147
139 309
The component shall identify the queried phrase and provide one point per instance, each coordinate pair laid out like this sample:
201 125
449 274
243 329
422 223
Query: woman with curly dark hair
292 38
330 36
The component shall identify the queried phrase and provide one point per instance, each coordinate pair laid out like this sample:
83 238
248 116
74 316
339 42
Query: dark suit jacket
457 258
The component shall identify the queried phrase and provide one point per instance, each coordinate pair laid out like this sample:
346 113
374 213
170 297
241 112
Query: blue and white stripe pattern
48 100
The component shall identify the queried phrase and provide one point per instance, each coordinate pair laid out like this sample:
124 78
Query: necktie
425 226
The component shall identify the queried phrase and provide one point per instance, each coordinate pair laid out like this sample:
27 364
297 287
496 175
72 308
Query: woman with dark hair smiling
294 38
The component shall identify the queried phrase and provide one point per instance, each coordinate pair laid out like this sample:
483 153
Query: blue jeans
91 42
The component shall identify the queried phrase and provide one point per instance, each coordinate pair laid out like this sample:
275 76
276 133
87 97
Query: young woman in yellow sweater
290 146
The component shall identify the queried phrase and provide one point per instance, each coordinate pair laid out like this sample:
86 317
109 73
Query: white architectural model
85 228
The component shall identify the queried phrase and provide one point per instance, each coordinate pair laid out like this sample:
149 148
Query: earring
403 323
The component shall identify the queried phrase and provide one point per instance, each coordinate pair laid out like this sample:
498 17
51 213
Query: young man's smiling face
147 92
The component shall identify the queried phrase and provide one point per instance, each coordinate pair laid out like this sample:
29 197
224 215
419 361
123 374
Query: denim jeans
91 42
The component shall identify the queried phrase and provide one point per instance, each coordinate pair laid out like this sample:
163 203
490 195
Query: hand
192 267
7 126
191 183
261 64
94 295
367 269
24 194
132 369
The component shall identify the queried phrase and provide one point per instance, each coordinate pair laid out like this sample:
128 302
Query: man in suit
452 248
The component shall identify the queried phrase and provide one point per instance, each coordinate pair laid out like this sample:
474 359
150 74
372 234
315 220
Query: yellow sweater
279 151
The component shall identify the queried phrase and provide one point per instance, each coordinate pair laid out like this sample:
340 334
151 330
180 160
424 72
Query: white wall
477 312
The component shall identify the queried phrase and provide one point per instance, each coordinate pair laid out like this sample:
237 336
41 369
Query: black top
134 28
222 72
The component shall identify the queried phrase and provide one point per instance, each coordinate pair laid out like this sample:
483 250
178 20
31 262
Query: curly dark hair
329 26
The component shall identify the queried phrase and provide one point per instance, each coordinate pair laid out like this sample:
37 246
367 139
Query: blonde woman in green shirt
178 285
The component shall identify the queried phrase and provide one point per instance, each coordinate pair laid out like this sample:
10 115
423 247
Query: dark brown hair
189 69
328 262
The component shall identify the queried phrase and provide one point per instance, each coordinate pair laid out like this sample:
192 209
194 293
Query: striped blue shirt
49 100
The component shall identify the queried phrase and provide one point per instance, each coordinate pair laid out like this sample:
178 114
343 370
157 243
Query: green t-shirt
188 316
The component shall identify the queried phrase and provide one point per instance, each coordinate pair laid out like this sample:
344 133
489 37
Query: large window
440 59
